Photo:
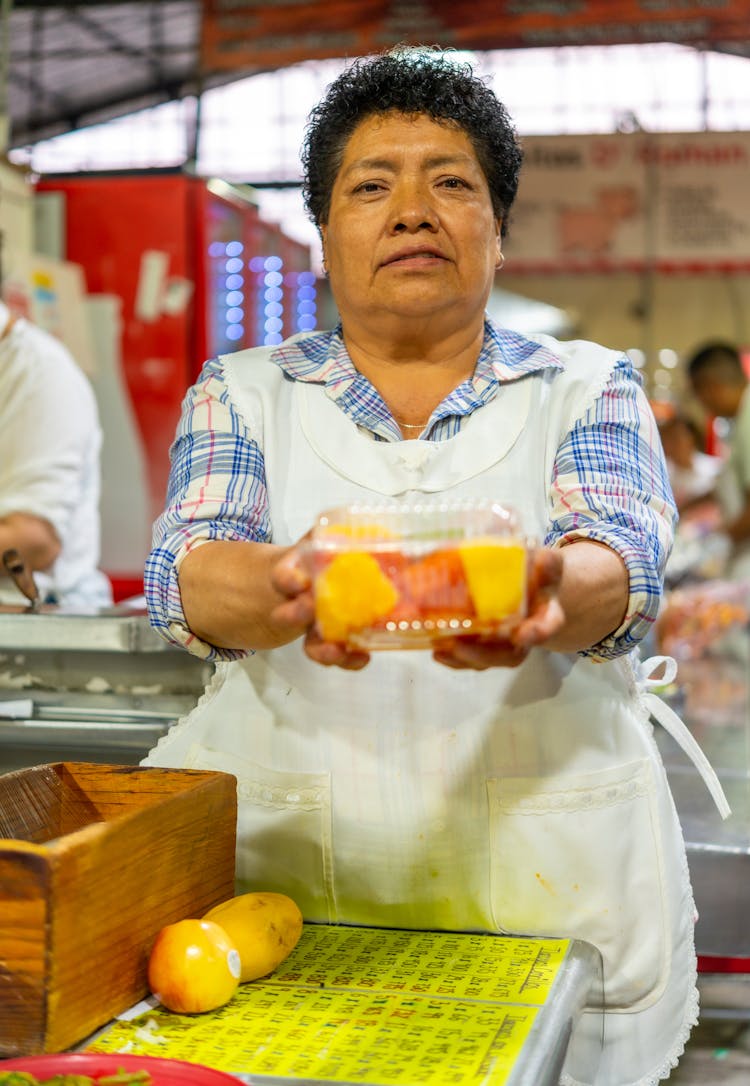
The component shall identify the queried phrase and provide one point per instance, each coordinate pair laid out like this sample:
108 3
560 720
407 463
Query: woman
395 790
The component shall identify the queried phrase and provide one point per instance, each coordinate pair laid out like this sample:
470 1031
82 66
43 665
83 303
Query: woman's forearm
230 601
228 597
593 594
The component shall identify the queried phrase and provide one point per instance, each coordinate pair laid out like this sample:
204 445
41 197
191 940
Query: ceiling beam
65 7
40 90
114 43
78 53
69 118
33 129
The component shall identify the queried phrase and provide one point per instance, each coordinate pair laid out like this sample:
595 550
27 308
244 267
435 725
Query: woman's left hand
545 617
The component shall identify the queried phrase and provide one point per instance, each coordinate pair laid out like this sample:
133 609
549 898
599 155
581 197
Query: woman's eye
454 183
369 186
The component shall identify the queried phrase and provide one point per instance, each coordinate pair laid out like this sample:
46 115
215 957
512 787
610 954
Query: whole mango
264 926
193 966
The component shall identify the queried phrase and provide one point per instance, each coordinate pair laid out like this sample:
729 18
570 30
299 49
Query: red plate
163 1072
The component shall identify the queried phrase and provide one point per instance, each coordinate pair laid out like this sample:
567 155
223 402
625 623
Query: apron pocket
580 857
283 831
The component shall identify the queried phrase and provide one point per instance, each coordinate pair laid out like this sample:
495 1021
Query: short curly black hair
413 80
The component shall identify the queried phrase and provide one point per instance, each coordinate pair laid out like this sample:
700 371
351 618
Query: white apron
530 801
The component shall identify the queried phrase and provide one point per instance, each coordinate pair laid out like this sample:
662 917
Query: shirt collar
322 358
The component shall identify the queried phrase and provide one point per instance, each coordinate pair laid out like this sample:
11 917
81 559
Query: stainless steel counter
114 630
100 687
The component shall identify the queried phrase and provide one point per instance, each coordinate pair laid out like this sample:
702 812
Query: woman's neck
415 365
414 376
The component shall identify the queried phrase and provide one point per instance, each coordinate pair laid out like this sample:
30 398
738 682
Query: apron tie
677 728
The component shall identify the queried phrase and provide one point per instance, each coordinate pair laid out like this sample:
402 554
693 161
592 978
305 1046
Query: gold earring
500 261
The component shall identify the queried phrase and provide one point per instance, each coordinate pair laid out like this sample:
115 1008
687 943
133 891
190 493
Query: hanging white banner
676 202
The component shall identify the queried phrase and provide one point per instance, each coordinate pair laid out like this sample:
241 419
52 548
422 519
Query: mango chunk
496 576
351 593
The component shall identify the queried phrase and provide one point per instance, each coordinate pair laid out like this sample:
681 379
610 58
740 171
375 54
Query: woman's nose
411 209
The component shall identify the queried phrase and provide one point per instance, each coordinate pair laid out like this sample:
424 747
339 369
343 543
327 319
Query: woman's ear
323 234
500 255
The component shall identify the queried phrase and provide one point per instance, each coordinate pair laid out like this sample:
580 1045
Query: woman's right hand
290 576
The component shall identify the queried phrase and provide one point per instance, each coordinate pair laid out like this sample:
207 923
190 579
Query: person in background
719 381
692 472
49 469
496 783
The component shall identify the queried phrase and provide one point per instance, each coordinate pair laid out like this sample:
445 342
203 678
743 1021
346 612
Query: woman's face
411 232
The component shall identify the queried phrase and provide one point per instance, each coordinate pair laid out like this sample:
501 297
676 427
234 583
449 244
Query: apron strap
679 731
671 723
648 667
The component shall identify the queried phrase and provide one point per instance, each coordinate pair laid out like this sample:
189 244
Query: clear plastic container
403 576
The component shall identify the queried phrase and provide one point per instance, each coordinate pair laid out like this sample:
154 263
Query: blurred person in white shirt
50 442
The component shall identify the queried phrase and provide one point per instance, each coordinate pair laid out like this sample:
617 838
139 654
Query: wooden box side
45 802
24 896
167 855
113 791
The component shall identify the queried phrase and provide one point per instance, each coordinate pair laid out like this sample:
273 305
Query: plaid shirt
609 482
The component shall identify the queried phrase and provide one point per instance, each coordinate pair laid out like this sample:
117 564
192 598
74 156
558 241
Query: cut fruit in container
496 577
351 592
402 576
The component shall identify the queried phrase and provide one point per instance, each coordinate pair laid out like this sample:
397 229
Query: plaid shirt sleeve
610 484
216 491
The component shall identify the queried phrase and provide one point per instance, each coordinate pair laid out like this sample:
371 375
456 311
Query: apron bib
529 800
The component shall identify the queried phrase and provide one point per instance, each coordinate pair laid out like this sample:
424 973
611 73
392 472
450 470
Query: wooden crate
94 860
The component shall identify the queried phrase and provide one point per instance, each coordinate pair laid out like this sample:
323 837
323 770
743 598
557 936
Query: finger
448 660
443 653
545 622
331 654
355 661
290 575
479 654
298 612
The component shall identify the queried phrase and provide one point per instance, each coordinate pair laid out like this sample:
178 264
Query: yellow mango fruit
496 576
351 592
264 926
193 966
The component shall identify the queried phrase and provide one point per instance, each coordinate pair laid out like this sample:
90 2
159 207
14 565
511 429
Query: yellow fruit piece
351 593
264 926
496 576
194 966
